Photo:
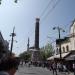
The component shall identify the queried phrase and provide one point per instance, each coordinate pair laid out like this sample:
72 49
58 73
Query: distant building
1 37
67 45
4 45
67 49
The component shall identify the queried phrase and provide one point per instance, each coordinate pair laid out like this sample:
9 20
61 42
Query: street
24 70
32 71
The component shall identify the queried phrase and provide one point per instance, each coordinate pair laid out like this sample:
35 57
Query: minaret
37 34
28 45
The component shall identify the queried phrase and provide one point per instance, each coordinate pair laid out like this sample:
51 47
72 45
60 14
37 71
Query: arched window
67 48
63 49
57 51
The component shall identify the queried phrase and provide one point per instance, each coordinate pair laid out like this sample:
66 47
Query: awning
70 57
58 56
50 58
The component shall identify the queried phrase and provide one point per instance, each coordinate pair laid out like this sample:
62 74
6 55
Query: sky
23 16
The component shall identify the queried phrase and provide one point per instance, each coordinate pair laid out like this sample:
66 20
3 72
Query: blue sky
23 14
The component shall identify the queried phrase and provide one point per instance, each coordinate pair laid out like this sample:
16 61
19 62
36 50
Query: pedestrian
59 67
9 66
29 63
74 68
54 66
64 68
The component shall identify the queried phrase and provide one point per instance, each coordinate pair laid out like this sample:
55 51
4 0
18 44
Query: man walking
54 66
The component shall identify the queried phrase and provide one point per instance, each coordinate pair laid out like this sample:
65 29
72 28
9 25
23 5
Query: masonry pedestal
35 58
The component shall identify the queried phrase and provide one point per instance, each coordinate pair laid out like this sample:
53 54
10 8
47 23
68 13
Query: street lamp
59 29
12 35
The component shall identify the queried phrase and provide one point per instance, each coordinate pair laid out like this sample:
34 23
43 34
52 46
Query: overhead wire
53 7
49 3
46 8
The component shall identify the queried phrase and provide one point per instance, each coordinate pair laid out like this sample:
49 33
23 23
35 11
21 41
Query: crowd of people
55 67
60 67
9 65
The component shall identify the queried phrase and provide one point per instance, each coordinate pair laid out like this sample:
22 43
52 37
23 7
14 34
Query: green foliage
25 55
46 51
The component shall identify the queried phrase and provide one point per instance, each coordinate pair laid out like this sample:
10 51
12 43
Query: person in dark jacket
9 66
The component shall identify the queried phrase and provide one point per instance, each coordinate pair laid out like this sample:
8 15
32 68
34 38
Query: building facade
4 45
68 42
67 49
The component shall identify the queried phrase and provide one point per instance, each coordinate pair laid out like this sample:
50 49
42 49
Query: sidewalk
71 73
63 73
25 70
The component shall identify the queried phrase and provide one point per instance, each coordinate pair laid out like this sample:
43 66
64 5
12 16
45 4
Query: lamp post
12 35
59 29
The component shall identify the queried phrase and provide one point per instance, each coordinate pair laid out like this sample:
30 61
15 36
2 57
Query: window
57 51
67 48
63 49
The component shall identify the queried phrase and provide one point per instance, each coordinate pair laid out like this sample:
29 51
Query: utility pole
59 29
12 36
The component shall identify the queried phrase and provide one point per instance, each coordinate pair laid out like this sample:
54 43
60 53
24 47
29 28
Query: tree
46 51
25 55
